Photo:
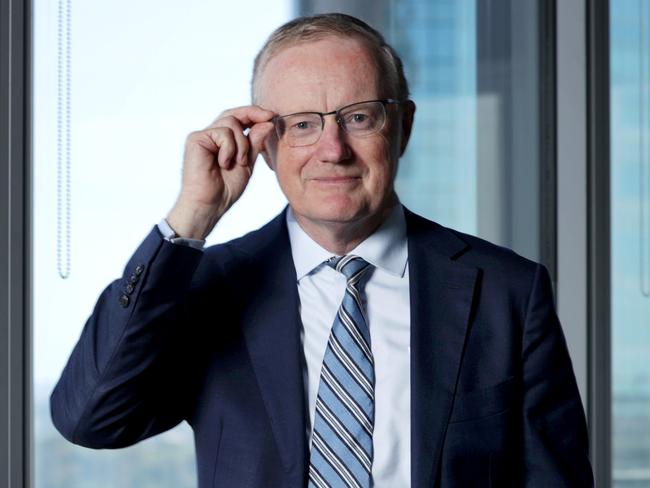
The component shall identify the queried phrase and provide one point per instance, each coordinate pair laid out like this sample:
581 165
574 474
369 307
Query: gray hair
314 28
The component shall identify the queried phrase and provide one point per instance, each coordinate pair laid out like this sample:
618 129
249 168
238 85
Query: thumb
257 137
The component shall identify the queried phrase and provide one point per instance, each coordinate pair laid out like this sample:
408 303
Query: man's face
340 179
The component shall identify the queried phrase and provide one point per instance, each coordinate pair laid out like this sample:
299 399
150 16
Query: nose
332 146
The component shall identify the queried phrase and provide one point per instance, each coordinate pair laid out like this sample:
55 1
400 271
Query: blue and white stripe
342 450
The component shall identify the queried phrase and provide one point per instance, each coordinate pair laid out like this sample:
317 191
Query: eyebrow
332 111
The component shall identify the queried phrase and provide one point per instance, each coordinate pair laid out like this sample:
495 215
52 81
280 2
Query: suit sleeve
127 376
555 432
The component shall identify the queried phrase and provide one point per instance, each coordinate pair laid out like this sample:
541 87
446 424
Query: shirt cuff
170 235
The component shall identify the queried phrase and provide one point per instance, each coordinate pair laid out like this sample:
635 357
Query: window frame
583 244
15 225
599 240
589 334
599 244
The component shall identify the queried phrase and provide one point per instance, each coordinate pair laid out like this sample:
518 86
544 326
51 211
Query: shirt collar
386 248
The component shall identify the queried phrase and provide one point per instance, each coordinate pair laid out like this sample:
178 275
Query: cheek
289 164
392 138
384 161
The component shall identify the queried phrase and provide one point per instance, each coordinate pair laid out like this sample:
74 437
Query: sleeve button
133 279
139 269
129 288
124 300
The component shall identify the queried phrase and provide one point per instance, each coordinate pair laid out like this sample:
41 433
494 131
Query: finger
225 139
247 115
217 143
200 149
251 114
257 136
240 138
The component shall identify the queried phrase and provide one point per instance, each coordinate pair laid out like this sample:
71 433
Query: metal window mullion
547 40
15 424
599 232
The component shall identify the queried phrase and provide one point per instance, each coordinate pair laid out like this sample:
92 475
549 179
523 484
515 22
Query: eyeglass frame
339 119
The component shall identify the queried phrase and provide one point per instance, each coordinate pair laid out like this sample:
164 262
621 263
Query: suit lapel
441 291
272 332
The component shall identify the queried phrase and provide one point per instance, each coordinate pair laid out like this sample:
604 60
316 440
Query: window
475 161
143 75
630 241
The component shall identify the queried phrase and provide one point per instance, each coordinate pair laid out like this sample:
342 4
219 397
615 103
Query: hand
217 166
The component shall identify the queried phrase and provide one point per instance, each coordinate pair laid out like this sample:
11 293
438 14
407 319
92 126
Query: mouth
336 179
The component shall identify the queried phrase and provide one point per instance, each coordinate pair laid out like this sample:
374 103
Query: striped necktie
341 446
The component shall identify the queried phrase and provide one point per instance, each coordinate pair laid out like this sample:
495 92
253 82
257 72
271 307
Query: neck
339 238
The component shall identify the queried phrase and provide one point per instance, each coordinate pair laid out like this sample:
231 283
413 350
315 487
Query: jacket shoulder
245 251
470 250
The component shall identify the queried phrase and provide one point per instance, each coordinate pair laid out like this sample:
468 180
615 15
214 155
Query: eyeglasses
358 119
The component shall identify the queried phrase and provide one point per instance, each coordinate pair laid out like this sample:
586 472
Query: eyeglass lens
304 129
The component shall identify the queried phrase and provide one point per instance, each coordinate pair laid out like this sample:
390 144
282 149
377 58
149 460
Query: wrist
170 235
192 222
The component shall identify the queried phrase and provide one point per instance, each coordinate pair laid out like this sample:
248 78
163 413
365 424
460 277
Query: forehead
318 75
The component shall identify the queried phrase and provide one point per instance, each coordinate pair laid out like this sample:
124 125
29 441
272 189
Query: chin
338 212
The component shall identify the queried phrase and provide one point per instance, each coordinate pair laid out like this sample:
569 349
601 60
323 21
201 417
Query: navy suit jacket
214 338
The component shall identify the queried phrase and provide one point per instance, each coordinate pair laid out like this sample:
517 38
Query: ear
263 141
268 160
269 152
408 114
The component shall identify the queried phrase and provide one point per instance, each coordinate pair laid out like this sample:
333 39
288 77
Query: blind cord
64 142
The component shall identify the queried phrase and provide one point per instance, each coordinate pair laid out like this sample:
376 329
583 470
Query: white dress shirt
387 307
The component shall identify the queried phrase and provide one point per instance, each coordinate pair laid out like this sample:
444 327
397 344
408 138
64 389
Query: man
348 342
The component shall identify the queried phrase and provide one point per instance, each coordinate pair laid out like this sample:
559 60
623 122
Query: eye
359 120
303 124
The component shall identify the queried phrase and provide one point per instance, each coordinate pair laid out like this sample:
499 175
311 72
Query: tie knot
353 267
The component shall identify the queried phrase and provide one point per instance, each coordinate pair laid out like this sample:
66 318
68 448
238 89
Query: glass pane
630 241
473 68
143 75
